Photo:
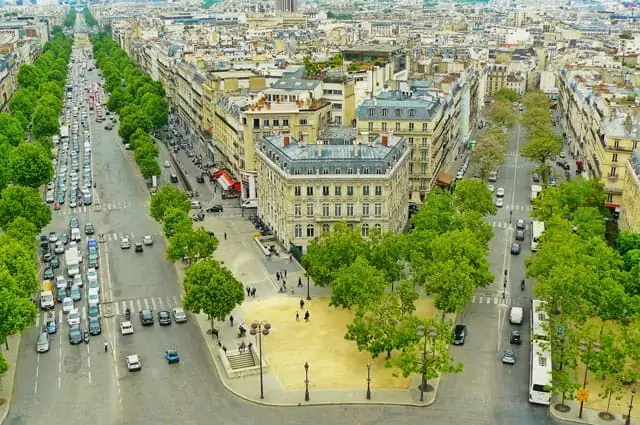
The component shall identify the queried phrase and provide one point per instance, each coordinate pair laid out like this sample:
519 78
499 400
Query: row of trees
591 289
25 166
135 97
88 18
445 254
70 19
209 287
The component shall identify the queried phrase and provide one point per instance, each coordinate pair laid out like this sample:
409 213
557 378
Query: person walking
248 289
253 292
299 282
297 316
225 236
307 316
285 272
231 321
278 276
301 304
106 346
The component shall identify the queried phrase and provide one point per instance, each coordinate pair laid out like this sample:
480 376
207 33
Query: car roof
133 357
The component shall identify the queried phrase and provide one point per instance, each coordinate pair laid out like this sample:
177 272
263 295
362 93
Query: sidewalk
240 254
7 380
589 416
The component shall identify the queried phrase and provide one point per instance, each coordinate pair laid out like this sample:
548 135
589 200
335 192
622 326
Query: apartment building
427 120
630 209
602 124
305 189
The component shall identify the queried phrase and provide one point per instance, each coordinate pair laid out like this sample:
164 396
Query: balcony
613 190
612 177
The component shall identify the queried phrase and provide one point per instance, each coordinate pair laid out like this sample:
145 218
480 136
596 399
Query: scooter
85 337
522 285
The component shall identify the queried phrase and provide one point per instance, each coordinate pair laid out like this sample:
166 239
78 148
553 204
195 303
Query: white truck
46 296
73 261
535 191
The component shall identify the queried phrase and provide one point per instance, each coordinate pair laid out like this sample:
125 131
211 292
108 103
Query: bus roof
540 363
538 319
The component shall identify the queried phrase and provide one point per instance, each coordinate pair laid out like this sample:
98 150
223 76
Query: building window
309 210
610 197
285 122
397 126
325 228
424 142
412 126
349 170
365 190
276 123
411 141
297 190
365 230
377 210
613 171
365 170
265 123
337 171
370 126
350 226
297 210
385 112
398 112
365 210
256 123
412 113
370 112
310 230
425 127
614 157
349 190
309 190
423 169
337 190
384 126
337 210
349 210
298 231
424 154
378 227
303 121
325 171
325 190
325 210
616 144
378 190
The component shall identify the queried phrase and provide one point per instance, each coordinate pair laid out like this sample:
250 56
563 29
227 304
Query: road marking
108 272
139 304
153 303
59 382
146 304
35 390
176 301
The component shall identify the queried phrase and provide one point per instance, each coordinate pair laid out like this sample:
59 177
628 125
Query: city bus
540 356
537 229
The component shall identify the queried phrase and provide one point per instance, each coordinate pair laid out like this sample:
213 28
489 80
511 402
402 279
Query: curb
11 374
576 419
310 403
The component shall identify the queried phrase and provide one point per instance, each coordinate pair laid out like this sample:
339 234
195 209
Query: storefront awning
444 179
225 181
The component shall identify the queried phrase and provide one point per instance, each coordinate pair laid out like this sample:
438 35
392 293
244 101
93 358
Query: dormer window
412 113
399 113
370 112
385 112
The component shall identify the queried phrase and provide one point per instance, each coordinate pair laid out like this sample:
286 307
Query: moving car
139 247
76 293
164 318
126 327
459 334
42 345
133 363
51 325
88 229
167 164
146 317
519 235
125 243
93 311
500 192
172 356
55 262
215 208
59 247
520 224
73 318
53 237
515 248
179 316
48 273
67 305
94 326
148 240
499 202
75 335
508 356
515 338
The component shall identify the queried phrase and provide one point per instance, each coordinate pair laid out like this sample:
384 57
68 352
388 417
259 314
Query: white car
59 248
133 362
92 274
167 164
499 202
67 305
491 188
126 327
61 282
73 319
77 280
125 243
148 240
563 155
500 192
179 315
93 298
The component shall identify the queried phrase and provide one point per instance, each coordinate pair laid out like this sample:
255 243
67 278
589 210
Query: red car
56 206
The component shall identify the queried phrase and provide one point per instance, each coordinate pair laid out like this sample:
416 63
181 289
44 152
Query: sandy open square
333 361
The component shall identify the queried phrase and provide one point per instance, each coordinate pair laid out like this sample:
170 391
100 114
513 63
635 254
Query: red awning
237 186
225 180
611 205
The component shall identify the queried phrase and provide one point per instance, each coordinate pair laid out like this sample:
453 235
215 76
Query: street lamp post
306 381
259 329
426 334
589 349
308 288
368 381
628 420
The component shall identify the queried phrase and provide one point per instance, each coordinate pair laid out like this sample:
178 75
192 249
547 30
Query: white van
516 315
250 203
46 300
75 234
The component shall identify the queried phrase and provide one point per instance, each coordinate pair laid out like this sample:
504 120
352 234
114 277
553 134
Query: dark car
139 247
515 248
55 262
215 208
146 317
200 179
47 256
94 326
515 338
88 229
174 178
519 235
75 335
164 318
459 334
48 273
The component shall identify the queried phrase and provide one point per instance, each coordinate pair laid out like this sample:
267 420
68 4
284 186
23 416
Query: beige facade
304 189
630 210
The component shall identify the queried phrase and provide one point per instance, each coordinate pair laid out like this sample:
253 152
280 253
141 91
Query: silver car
508 356
42 346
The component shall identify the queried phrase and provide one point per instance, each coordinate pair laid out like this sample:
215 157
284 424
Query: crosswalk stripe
496 300
146 304
117 307
139 305
153 303
176 301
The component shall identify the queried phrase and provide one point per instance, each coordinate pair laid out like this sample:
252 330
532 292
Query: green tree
489 152
129 123
30 165
20 201
23 231
5 154
357 284
174 221
536 99
508 95
149 167
30 76
541 147
452 284
17 313
383 326
52 88
566 199
501 113
45 122
627 241
211 289
20 262
118 99
156 108
22 104
168 197
608 364
11 128
427 356
192 245
473 195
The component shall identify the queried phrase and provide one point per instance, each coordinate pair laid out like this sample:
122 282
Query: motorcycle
127 314
85 337
522 285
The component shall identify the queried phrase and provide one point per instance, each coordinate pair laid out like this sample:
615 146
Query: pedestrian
301 303
297 316
284 283
290 258
253 292
231 321
307 316
250 347
225 236
106 346
278 276
248 291
285 272
224 349
299 282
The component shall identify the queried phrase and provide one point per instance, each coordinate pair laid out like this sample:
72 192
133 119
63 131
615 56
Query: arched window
378 226
310 230
325 228
298 231
365 230
350 226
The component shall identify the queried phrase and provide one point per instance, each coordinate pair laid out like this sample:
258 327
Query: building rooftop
398 106
373 48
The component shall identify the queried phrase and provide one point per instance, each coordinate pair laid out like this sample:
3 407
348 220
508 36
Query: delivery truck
72 259
46 296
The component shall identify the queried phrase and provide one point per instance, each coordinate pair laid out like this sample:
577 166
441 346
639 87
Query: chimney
385 139
286 140
356 149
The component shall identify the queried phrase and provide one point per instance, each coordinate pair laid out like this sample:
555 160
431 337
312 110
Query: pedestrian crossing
154 304
108 206
518 207
115 236
478 299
